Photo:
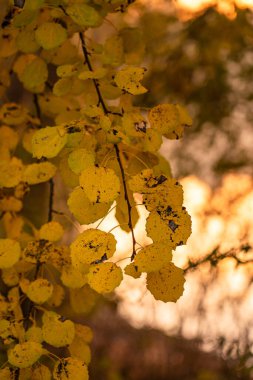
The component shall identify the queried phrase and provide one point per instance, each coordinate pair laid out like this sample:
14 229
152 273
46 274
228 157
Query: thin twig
129 207
95 81
106 111
51 200
215 257
37 107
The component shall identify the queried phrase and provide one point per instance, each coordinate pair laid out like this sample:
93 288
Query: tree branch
51 200
30 304
37 107
106 111
215 257
129 207
95 81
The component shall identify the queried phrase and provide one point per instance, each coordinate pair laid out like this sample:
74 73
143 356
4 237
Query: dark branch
96 84
215 257
106 111
129 207
37 106
51 200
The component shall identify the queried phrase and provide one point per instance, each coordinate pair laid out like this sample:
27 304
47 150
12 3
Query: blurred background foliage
206 64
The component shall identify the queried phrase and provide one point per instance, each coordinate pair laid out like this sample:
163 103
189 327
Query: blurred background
199 53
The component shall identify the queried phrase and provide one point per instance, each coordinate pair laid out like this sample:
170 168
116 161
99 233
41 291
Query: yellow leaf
69 178
8 45
37 251
8 137
172 226
84 332
62 87
80 159
57 297
10 276
95 74
27 139
67 70
92 245
80 350
10 203
132 270
105 277
185 118
56 332
113 53
100 184
9 253
167 284
6 374
48 142
59 256
169 120
39 291
153 257
83 300
84 15
38 173
144 181
26 42
34 334
86 212
72 277
34 74
25 354
13 114
52 231
70 369
167 195
50 35
10 172
128 79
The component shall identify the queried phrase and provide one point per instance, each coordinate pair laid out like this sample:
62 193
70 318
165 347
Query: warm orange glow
226 7
220 218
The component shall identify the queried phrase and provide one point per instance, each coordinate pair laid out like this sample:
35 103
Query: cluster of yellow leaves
169 225
105 150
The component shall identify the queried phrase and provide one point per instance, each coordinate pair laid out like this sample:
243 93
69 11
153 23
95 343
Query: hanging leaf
100 184
167 284
92 245
83 209
128 79
84 15
25 354
70 369
38 173
9 253
48 142
50 35
105 277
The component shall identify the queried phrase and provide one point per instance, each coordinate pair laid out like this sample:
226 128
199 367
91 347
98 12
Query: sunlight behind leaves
219 218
